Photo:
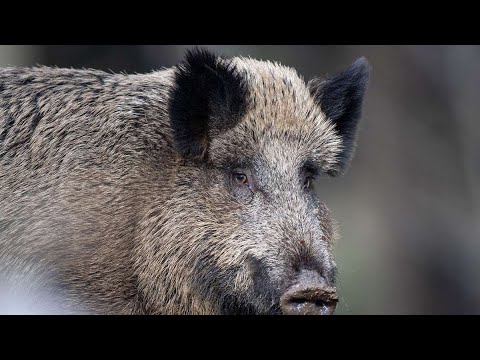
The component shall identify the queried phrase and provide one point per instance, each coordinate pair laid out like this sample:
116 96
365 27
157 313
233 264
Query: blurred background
409 208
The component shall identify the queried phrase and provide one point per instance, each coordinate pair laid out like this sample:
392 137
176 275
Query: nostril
298 301
304 301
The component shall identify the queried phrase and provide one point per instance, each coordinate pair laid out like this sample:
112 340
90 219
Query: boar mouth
309 301
310 295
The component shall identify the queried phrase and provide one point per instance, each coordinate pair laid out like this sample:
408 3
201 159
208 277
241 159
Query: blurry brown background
409 208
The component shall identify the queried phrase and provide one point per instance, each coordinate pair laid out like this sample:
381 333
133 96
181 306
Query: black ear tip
199 56
362 61
197 51
361 68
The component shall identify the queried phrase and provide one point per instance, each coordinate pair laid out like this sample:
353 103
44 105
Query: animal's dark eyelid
231 165
310 167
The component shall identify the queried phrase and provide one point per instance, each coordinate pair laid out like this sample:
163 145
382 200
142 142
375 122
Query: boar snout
310 295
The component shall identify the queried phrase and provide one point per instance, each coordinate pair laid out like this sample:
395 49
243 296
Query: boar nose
310 295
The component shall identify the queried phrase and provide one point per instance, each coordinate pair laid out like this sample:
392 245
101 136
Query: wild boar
187 190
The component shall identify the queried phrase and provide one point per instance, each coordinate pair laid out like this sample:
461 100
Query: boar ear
340 97
208 95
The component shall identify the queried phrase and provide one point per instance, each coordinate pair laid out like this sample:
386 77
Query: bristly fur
116 190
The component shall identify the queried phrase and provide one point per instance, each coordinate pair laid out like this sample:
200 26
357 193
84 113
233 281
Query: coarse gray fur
100 212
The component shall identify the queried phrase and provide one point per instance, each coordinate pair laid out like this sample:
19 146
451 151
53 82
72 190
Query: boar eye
240 178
